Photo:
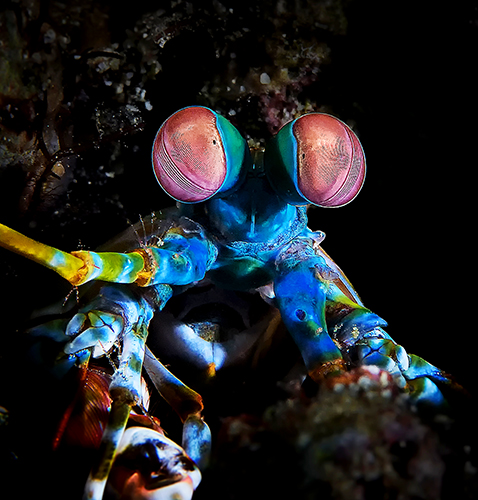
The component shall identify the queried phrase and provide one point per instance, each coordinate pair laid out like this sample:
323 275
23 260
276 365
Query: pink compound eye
330 160
315 159
189 160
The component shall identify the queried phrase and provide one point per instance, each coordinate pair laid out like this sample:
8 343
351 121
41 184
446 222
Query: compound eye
319 160
330 160
192 158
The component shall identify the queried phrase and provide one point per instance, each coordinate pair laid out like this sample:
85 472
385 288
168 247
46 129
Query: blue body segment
181 260
301 296
253 214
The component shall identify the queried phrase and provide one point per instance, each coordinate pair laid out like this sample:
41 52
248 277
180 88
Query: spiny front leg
364 342
125 393
300 287
124 389
133 310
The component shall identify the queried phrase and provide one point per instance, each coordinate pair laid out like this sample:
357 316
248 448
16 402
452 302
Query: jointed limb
301 294
180 258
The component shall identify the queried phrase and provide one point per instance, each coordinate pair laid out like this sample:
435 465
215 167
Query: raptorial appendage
301 295
335 332
365 343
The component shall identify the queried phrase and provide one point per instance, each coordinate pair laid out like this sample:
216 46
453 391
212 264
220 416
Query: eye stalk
315 159
197 154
